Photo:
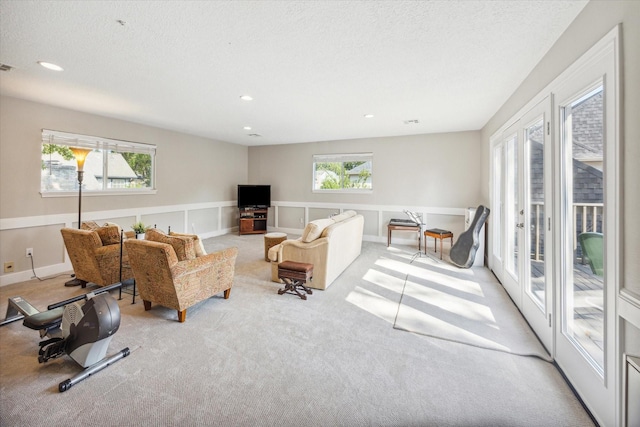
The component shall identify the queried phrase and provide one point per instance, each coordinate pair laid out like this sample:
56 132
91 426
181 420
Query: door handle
520 225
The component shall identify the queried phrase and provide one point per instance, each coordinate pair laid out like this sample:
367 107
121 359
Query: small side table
272 239
437 233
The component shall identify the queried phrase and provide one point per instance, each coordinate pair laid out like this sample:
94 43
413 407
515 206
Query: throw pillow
197 243
109 235
112 224
314 229
89 225
340 217
183 246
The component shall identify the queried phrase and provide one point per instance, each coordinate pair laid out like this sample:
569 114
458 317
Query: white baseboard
42 272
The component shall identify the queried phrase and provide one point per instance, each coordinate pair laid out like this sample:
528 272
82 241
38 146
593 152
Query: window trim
100 143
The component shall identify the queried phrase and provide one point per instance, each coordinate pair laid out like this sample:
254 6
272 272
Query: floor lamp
80 155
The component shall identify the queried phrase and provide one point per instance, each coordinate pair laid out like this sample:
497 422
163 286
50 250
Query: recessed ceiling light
368 116
247 128
246 98
51 66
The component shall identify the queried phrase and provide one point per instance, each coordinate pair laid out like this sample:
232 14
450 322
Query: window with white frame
111 165
343 172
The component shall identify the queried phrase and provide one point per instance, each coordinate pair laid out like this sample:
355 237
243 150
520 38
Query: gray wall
189 171
435 170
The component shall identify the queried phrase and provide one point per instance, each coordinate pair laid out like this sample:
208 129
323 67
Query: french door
556 228
521 252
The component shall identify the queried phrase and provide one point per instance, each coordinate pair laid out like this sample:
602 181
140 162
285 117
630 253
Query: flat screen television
254 196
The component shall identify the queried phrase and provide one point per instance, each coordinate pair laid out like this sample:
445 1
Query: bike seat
44 320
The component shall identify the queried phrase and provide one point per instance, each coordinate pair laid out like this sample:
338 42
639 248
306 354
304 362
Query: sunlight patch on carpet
473 312
373 303
384 280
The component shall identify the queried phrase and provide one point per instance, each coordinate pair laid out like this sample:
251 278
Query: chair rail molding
225 224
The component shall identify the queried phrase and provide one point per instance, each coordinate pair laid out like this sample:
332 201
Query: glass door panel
536 286
584 189
536 257
511 226
511 207
498 205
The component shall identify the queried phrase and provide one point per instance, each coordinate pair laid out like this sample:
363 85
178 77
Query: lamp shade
80 155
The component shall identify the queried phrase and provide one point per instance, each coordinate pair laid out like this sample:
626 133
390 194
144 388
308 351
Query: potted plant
139 228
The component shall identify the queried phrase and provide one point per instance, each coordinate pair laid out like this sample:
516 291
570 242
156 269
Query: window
111 166
343 172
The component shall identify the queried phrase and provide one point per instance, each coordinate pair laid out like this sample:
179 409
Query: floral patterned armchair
168 271
95 255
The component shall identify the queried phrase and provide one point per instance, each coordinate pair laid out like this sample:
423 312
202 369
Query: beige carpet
263 359
468 306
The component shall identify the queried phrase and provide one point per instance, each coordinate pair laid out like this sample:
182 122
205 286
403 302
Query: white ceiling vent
5 67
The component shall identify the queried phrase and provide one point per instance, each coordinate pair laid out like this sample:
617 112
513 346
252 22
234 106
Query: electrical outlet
301 221
29 252
8 267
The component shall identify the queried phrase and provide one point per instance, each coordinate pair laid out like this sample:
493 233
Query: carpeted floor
463 305
263 359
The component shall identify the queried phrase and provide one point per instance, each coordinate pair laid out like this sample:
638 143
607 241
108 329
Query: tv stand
253 220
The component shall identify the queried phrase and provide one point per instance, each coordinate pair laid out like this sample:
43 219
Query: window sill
97 193
359 191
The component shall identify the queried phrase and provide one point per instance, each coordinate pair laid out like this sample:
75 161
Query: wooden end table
437 233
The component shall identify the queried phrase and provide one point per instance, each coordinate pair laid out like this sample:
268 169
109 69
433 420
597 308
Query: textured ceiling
314 68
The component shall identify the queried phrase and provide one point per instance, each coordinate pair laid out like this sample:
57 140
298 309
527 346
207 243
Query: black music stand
417 218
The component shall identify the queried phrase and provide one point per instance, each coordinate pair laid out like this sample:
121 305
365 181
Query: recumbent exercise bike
81 329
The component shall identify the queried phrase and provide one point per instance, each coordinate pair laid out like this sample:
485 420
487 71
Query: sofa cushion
344 215
183 246
314 229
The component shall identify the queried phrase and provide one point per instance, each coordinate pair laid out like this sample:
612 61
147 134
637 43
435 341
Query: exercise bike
81 327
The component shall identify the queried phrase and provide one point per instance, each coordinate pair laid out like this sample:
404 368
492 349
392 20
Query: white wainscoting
188 218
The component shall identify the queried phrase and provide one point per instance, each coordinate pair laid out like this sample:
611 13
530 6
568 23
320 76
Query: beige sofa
330 244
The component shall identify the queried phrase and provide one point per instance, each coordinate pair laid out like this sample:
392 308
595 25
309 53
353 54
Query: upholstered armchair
169 273
95 255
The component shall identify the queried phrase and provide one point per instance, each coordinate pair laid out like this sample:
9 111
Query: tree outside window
352 172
